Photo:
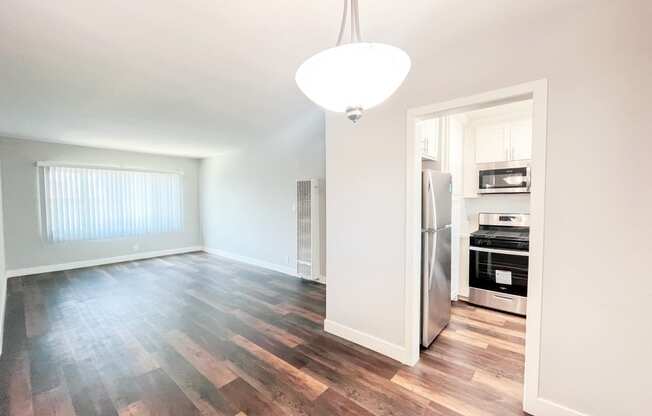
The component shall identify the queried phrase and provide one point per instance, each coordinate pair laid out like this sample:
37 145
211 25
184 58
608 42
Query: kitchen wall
248 196
455 162
467 203
26 248
518 204
597 295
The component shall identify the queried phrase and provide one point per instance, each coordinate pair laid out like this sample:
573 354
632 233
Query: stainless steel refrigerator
435 254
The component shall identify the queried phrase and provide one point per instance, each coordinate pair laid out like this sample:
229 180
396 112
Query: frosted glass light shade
356 75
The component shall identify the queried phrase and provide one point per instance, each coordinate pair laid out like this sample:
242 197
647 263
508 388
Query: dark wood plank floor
199 335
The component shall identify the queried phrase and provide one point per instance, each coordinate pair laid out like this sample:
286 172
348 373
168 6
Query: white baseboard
261 263
99 262
545 407
397 352
254 262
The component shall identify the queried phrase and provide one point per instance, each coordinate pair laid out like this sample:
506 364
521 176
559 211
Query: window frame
42 200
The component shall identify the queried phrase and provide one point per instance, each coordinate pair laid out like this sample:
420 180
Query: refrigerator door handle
434 230
500 251
431 260
433 203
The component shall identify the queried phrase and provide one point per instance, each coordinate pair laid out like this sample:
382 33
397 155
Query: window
88 203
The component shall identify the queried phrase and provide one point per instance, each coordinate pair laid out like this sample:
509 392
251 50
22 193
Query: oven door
503 178
499 270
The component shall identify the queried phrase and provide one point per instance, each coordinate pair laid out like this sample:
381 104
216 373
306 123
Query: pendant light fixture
353 77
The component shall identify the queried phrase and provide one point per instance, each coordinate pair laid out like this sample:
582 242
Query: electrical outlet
287 260
136 247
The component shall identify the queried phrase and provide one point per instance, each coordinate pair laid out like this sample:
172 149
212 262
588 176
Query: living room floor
196 334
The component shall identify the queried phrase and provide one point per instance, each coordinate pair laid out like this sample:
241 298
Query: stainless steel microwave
504 177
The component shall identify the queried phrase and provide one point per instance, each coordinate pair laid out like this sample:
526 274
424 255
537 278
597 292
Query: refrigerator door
436 208
436 254
436 283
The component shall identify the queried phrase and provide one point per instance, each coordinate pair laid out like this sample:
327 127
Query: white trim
397 352
41 164
542 406
99 262
252 261
412 242
538 92
535 273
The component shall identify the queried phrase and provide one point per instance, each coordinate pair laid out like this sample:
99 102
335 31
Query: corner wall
596 288
248 195
27 251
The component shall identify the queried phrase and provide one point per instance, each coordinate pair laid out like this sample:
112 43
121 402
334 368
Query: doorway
536 92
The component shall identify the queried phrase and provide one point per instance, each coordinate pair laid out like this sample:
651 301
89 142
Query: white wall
248 195
26 249
3 279
597 291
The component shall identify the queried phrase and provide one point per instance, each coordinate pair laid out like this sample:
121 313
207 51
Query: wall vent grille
308 250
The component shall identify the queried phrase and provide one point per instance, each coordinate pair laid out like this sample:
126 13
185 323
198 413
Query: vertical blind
82 203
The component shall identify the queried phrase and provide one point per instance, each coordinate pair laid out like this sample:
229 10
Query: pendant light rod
343 23
355 22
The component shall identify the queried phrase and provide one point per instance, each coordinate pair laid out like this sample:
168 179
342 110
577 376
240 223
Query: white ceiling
192 78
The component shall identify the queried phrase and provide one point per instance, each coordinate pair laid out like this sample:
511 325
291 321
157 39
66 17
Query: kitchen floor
196 334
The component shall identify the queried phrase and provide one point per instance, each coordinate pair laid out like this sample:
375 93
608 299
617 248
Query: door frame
538 92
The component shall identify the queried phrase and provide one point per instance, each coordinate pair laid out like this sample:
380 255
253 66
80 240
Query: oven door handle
503 297
499 251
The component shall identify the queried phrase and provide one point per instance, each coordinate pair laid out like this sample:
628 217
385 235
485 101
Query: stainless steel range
498 262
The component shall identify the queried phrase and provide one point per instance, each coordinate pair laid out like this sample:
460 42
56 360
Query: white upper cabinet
504 141
429 134
491 143
520 139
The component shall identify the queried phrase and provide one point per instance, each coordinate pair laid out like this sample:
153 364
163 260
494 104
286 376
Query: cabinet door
428 134
421 138
520 137
491 143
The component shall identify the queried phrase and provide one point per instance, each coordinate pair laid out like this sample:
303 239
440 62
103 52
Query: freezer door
436 200
436 283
